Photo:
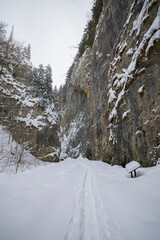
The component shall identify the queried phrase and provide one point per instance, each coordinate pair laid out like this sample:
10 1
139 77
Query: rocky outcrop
34 127
112 109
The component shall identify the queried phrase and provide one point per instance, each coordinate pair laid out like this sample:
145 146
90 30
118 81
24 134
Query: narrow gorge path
89 221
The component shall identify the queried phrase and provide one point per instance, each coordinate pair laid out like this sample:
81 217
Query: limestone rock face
77 134
112 109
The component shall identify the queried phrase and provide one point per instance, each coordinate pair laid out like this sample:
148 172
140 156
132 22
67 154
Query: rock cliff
112 109
34 127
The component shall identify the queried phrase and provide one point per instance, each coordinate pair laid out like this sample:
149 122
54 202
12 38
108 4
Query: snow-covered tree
14 57
6 49
29 52
42 83
48 80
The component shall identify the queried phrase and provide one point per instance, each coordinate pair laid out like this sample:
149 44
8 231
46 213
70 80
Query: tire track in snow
88 221
83 224
109 228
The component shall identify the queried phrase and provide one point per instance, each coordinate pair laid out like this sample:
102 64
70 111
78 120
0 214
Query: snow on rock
67 139
98 54
141 17
120 81
112 137
130 52
112 95
19 93
125 114
138 132
80 199
129 15
30 121
51 115
155 37
121 47
141 89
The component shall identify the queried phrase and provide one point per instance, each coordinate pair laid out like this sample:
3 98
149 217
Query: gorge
109 107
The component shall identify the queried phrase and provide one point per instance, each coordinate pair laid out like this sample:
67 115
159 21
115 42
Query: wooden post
135 172
131 175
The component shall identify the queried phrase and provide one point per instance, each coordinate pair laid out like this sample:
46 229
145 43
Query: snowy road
80 200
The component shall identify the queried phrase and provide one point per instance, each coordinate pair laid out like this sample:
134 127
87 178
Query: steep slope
113 96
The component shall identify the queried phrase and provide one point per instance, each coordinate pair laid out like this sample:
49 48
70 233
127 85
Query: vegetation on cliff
89 31
15 59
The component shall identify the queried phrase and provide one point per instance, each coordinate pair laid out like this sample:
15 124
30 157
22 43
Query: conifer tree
2 45
34 89
48 80
41 80
28 52
7 47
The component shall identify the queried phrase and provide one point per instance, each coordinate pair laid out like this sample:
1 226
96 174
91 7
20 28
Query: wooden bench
132 167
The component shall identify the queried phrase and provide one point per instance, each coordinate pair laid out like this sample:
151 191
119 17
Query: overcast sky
53 28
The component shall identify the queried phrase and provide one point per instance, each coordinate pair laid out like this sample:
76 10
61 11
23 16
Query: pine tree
48 80
7 47
41 80
55 91
11 36
2 45
2 32
28 52
34 89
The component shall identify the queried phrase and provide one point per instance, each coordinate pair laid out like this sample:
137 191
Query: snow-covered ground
80 199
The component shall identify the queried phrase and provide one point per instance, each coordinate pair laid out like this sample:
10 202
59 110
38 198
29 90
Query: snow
112 136
125 114
129 15
142 16
112 95
98 54
30 121
80 199
131 166
19 93
138 132
155 37
67 139
121 47
113 114
129 52
51 114
141 89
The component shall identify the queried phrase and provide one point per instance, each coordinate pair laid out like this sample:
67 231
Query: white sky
52 27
